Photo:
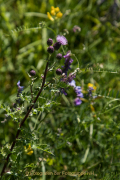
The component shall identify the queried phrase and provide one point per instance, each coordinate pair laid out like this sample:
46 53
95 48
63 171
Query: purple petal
62 40
71 60
78 91
91 88
63 91
67 55
77 102
20 88
72 83
18 83
80 94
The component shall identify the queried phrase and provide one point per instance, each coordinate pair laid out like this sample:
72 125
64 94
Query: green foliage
57 135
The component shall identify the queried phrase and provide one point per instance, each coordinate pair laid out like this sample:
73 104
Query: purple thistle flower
20 88
62 40
77 101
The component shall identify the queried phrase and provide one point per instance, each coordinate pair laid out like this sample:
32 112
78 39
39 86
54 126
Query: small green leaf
13 157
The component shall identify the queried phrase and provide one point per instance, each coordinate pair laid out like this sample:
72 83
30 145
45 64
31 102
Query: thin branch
31 92
47 84
22 122
52 66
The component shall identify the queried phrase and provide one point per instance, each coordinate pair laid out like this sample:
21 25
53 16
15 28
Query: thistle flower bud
57 45
50 49
49 42
59 56
58 71
32 73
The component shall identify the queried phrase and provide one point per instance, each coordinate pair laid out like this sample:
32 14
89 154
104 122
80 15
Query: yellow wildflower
91 86
50 17
28 150
55 12
59 15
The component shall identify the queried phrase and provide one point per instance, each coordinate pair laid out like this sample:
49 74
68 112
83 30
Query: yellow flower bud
30 153
59 15
57 9
52 8
49 16
53 12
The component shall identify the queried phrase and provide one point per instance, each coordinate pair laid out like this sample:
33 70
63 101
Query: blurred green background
81 140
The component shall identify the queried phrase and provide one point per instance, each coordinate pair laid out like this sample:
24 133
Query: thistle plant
63 77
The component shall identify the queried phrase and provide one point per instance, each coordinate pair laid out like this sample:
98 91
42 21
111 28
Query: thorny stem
31 91
22 122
